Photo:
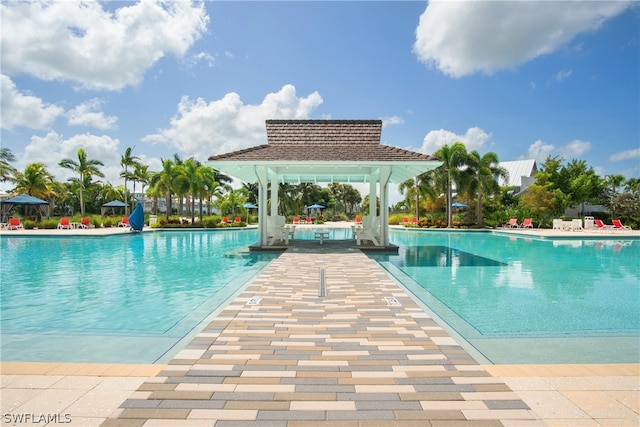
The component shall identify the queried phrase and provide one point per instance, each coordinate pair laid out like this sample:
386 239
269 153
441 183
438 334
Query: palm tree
167 181
35 181
195 181
85 168
7 171
483 173
126 161
452 158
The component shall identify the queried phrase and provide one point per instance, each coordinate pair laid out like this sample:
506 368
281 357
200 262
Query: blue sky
522 79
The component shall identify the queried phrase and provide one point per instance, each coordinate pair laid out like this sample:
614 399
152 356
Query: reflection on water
505 285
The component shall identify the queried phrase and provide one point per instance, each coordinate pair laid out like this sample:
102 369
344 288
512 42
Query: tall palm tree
85 168
452 158
7 171
167 180
128 161
35 181
195 181
483 173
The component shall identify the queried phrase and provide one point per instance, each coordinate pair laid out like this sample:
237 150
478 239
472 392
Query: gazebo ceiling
324 151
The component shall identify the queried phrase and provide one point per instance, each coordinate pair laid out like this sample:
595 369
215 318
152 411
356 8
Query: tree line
474 178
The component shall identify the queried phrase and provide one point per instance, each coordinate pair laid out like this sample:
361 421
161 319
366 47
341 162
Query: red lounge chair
358 220
414 221
617 224
64 224
601 225
85 222
296 220
309 220
237 219
526 223
15 224
124 222
513 223
225 219
405 221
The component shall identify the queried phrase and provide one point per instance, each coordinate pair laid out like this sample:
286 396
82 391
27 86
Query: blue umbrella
250 206
316 206
25 199
458 205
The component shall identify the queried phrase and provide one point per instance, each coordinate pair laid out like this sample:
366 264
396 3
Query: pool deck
281 355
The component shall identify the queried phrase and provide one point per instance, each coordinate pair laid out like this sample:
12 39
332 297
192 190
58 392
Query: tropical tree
195 181
128 161
86 169
7 171
165 181
35 181
482 175
453 158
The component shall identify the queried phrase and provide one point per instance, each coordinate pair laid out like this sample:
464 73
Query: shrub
29 225
48 224
107 222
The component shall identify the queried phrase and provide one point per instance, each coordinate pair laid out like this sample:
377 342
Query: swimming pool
134 298
122 298
527 300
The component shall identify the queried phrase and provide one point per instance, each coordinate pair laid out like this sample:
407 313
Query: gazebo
324 151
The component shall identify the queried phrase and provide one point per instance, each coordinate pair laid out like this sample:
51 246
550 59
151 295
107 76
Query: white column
385 174
261 173
274 195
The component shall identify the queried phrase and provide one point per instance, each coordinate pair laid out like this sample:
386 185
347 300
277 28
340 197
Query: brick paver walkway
363 355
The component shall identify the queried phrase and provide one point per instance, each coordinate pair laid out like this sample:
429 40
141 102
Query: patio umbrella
24 200
112 204
459 205
316 206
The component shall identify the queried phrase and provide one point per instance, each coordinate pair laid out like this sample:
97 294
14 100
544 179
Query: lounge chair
296 220
405 221
513 223
124 222
576 224
368 231
237 220
86 222
414 221
617 224
358 220
225 219
601 225
526 223
64 224
309 220
15 224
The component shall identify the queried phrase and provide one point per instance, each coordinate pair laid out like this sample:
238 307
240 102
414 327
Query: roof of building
517 169
324 151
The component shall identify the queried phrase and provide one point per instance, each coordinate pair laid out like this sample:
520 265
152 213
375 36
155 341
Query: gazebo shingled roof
350 147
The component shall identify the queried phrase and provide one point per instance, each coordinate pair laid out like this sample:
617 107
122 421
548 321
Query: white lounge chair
368 231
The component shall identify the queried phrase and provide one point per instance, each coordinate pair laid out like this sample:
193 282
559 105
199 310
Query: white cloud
563 74
625 155
52 148
82 42
20 109
463 37
540 151
575 148
393 120
202 129
474 138
89 114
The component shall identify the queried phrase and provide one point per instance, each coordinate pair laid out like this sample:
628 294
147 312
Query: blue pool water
89 298
134 297
505 294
